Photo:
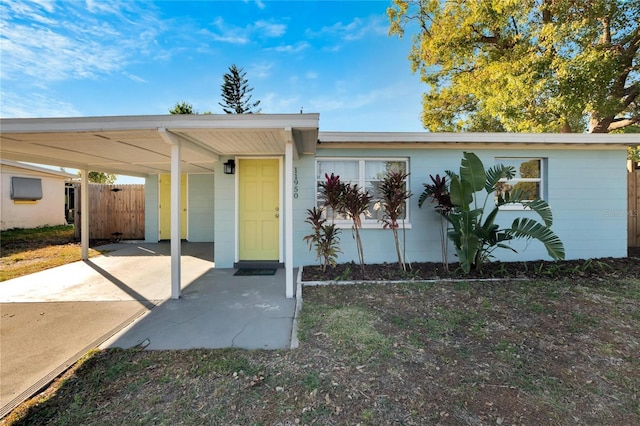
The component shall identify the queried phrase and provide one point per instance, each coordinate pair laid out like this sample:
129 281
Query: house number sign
295 182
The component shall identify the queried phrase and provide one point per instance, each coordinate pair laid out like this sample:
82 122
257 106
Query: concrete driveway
51 318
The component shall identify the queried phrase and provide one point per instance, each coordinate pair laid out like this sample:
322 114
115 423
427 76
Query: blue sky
88 58
110 57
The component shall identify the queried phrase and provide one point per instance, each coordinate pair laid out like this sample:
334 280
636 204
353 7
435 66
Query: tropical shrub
438 192
332 190
325 238
475 236
354 203
394 195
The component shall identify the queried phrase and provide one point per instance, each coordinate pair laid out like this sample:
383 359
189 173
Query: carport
174 144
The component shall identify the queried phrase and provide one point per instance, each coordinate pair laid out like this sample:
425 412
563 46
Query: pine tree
236 92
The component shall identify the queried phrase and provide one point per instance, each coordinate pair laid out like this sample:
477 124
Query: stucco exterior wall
151 200
201 207
49 211
224 211
586 190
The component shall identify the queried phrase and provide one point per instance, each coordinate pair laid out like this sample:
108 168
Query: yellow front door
259 204
165 207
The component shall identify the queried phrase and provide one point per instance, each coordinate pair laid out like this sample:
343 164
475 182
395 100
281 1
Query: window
367 174
26 189
528 177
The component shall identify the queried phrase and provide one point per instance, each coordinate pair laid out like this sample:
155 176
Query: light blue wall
151 222
224 212
305 168
200 208
586 191
200 189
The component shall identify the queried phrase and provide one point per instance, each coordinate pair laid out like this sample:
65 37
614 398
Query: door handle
277 215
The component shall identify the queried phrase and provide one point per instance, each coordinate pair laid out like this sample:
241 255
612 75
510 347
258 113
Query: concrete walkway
121 299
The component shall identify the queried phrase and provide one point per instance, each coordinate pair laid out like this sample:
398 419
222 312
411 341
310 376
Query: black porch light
229 167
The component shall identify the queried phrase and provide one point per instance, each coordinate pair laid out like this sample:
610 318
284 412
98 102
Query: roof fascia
152 122
34 168
398 138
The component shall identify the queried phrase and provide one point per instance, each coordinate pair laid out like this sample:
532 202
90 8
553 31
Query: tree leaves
525 66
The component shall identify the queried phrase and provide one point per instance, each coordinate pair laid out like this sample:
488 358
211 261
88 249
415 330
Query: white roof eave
150 122
479 138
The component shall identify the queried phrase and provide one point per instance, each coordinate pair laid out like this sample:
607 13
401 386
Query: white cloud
357 29
349 100
260 71
34 105
270 30
228 33
135 78
258 3
58 41
292 48
276 103
47 5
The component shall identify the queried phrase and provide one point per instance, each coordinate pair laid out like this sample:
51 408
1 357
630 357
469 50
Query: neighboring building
32 196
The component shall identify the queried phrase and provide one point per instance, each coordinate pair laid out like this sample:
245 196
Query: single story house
245 182
32 196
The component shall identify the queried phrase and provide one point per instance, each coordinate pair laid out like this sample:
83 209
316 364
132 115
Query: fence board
116 212
633 208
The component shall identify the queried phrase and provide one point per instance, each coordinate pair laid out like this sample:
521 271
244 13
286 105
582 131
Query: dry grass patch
521 352
25 251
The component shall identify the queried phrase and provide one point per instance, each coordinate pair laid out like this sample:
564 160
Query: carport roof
141 145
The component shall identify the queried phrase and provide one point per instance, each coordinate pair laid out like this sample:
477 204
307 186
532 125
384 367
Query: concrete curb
294 329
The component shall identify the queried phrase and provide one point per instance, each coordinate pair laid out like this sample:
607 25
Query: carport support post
288 221
175 220
84 213
175 144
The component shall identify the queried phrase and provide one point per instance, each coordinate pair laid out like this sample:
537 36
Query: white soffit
132 145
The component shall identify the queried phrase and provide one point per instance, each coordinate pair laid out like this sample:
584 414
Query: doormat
254 272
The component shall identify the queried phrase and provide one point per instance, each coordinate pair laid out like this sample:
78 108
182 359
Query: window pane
378 169
531 190
372 187
347 170
524 168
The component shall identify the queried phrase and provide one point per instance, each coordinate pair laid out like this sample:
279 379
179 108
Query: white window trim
542 179
366 223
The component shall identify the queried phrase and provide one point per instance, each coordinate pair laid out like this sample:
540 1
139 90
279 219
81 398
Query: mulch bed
582 268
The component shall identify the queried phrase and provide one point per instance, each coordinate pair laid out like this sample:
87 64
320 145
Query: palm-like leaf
541 207
467 242
529 228
460 192
472 171
495 173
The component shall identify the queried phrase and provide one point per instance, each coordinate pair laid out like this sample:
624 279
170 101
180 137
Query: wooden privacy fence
116 212
633 207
